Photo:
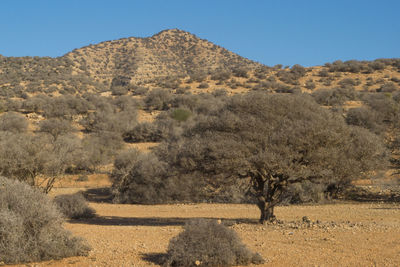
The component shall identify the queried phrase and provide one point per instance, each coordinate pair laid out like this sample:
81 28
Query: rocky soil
341 234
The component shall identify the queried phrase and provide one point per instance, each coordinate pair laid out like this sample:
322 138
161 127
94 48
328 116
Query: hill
168 53
126 61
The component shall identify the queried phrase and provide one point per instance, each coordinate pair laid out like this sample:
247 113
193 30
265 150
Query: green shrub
74 206
180 114
31 227
207 243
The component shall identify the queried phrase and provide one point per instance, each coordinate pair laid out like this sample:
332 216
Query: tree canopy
273 141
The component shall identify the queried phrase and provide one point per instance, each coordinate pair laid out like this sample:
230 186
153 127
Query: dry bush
147 132
13 122
143 178
365 117
352 66
55 127
207 243
388 87
74 206
158 99
305 192
31 226
203 85
334 96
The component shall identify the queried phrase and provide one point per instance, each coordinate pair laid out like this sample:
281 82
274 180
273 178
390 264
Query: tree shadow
153 221
386 208
98 195
155 258
363 195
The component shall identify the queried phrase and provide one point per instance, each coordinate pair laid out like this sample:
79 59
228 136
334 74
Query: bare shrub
158 99
55 127
143 178
310 84
74 206
203 85
31 227
364 117
323 73
388 88
240 72
140 90
146 132
197 77
24 157
348 82
353 66
384 106
207 243
98 149
13 122
221 75
305 192
335 96
119 90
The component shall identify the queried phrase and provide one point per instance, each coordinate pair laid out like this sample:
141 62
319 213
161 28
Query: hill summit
168 53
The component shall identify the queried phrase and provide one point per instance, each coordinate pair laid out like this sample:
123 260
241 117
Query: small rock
306 219
290 233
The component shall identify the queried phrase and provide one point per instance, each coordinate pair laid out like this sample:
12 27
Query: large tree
272 141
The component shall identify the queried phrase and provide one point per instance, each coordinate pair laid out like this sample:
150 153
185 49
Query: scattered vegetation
75 114
31 227
209 243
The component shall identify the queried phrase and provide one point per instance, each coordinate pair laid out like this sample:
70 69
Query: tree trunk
267 210
261 205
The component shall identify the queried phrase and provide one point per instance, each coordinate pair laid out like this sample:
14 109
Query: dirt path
136 235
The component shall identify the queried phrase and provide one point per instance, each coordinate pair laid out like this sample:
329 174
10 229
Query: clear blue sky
306 32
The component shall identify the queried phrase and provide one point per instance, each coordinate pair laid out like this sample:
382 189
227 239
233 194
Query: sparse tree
55 127
270 142
25 157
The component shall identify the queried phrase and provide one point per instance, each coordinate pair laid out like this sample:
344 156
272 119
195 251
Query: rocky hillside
126 61
181 62
168 53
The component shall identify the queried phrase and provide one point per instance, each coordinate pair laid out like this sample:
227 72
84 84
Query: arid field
340 234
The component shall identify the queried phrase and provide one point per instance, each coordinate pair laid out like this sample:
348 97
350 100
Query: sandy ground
346 234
